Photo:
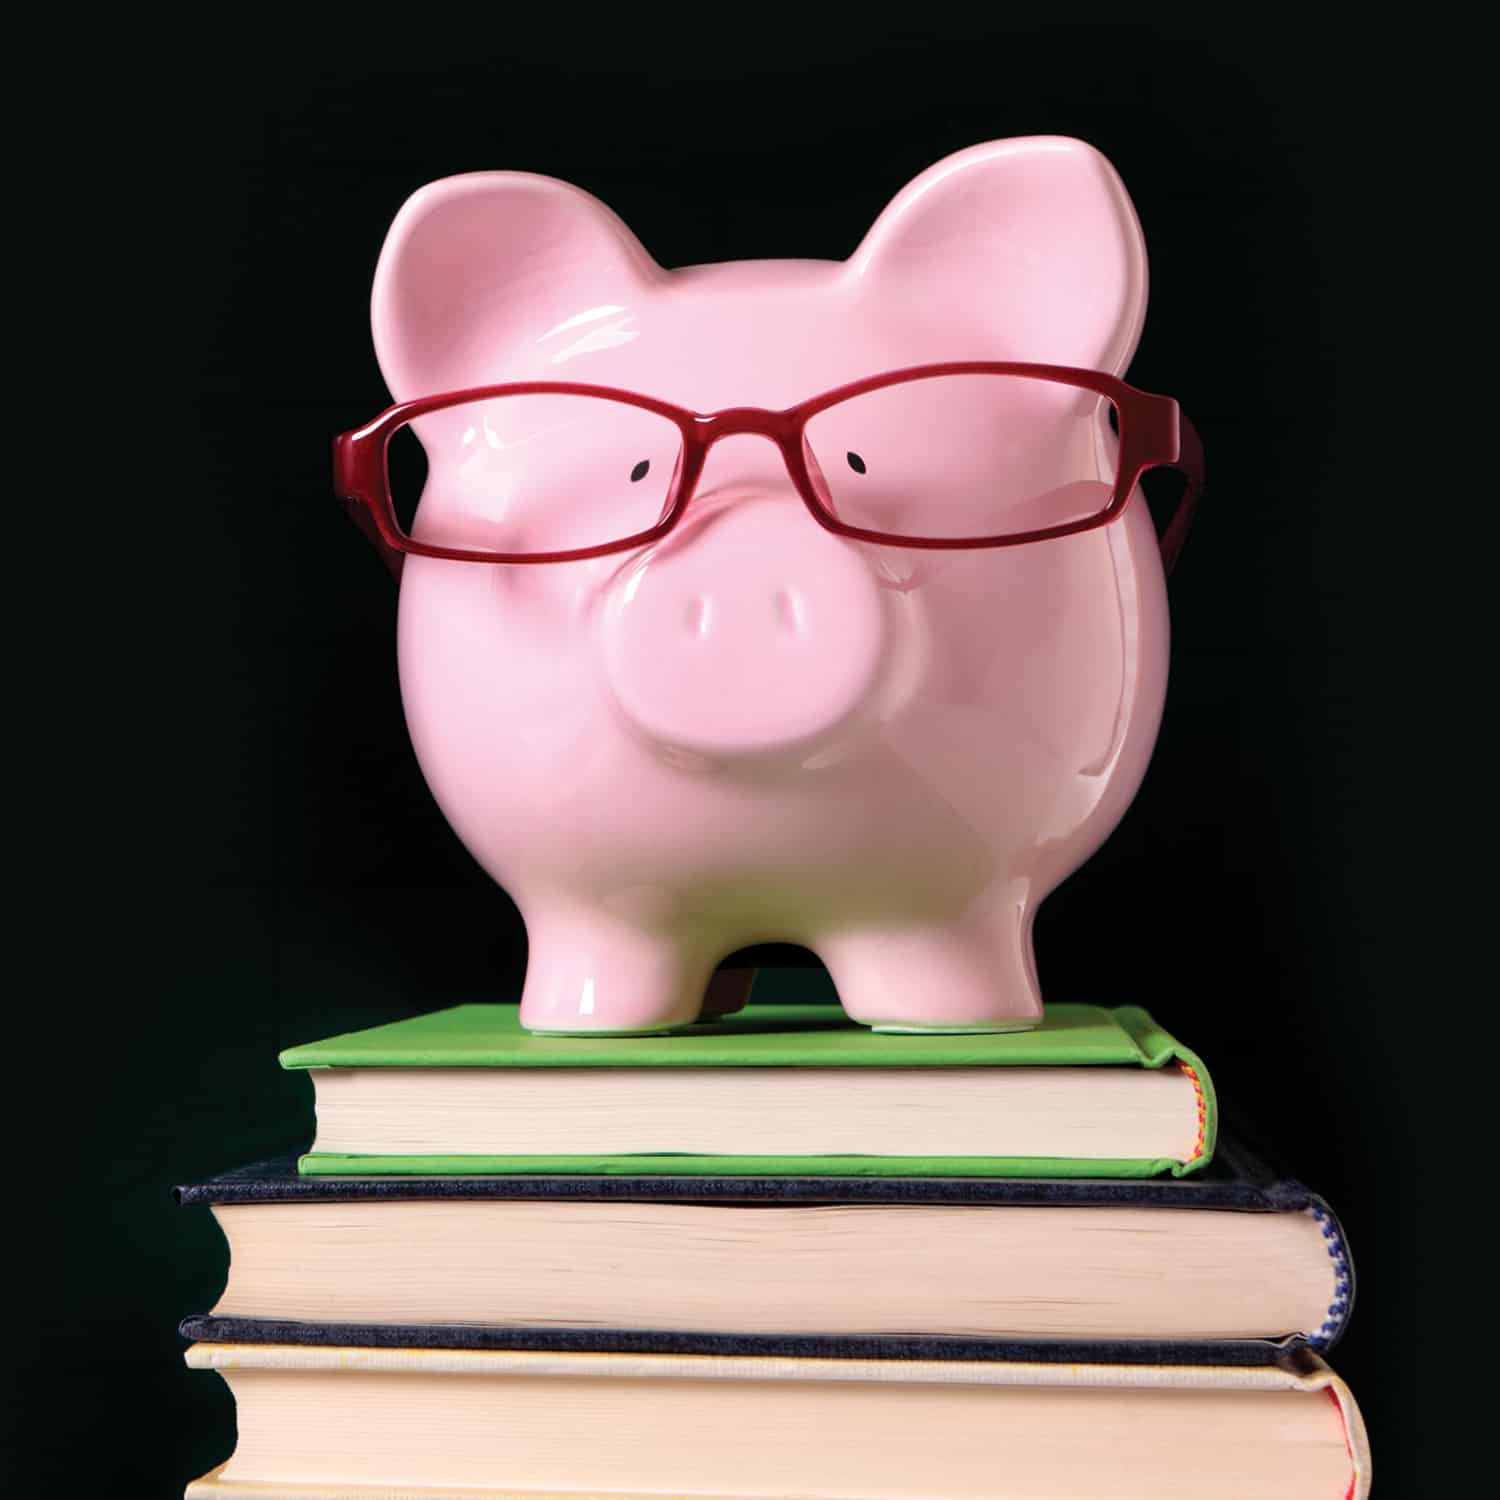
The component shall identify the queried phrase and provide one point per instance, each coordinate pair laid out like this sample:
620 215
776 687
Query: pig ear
1034 240
476 265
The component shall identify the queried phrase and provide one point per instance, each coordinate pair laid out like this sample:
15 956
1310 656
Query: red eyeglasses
960 455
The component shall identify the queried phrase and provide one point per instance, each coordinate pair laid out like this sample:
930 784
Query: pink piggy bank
775 601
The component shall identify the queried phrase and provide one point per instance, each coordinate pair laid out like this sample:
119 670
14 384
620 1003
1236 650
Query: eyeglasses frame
1153 433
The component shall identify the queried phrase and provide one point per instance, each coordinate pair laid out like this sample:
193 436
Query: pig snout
751 631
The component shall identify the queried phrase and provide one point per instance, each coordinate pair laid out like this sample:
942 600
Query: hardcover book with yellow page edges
773 1090
422 1424
1230 1265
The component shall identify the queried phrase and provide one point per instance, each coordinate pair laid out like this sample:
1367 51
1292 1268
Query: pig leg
589 973
964 979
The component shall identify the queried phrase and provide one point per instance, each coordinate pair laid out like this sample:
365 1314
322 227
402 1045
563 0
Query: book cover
207 1328
763 1036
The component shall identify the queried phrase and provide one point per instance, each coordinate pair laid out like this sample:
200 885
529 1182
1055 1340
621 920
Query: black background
264 865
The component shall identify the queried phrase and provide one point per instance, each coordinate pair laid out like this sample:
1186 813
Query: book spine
1155 1048
1201 1149
1328 1333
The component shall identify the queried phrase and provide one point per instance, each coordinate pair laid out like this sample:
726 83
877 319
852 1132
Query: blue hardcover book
1230 1266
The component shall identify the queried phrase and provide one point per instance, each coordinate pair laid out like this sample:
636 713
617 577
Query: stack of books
775 1255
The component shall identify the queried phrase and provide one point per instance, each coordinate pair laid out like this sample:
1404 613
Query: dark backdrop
266 865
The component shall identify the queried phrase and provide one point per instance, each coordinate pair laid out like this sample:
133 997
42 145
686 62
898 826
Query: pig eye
856 462
640 471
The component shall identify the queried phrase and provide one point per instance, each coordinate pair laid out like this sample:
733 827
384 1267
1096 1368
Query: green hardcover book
773 1091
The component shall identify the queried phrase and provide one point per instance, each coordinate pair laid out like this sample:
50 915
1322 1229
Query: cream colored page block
1112 1113
213 1486
1301 1370
850 1269
822 1439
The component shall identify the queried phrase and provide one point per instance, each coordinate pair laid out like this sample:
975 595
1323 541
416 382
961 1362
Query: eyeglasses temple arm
359 513
1190 465
348 490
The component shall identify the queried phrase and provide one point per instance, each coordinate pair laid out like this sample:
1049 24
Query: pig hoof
957 981
974 1028
596 1031
594 978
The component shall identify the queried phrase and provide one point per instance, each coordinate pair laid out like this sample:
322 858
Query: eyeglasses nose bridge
782 429
779 426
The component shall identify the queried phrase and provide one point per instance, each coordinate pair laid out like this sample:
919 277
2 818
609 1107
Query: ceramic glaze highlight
756 730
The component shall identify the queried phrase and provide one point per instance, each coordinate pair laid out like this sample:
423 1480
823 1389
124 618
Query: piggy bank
793 601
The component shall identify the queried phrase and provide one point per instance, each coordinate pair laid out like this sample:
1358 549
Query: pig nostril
790 614
699 615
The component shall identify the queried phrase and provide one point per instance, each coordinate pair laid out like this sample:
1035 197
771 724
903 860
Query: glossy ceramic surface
755 730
